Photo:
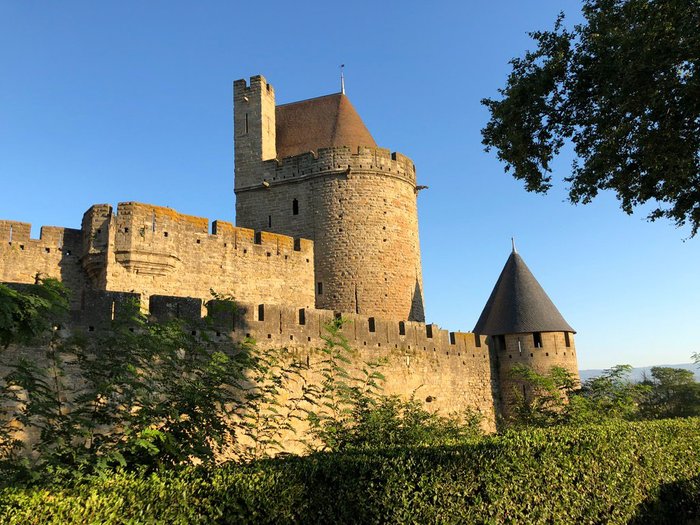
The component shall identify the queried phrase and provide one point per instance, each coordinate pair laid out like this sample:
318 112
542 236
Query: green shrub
612 473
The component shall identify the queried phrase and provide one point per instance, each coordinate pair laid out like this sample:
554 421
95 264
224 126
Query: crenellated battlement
18 234
56 253
256 82
379 161
451 371
155 250
274 325
159 229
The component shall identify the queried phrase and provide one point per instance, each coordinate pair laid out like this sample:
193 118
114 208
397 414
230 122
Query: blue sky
103 102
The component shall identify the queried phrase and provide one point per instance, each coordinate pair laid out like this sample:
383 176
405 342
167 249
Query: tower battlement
333 161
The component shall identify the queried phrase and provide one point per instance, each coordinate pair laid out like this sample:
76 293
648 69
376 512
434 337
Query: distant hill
638 373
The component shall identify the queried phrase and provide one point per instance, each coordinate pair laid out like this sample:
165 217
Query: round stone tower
311 169
524 327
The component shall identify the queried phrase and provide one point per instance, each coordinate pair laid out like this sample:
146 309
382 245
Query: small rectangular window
261 312
295 207
302 316
567 340
269 221
500 342
429 331
477 340
537 339
246 123
402 328
258 238
372 326
319 288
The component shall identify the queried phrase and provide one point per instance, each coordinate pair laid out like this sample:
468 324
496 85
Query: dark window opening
537 339
319 288
165 234
477 340
246 123
295 207
91 328
199 241
500 342
302 316
258 238
402 328
372 326
126 230
261 312
429 331
567 340
269 221
297 245
452 338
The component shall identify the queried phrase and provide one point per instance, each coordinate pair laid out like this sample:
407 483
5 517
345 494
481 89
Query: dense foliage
556 398
624 88
619 472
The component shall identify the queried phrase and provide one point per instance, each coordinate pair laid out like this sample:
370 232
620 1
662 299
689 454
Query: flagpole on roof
342 79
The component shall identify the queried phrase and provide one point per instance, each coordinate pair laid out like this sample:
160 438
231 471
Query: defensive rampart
449 371
56 253
154 250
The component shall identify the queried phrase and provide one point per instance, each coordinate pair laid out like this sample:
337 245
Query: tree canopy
623 88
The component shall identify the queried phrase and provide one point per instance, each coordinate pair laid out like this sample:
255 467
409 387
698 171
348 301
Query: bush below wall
615 473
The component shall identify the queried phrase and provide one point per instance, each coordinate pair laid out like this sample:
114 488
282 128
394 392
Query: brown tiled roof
319 123
518 304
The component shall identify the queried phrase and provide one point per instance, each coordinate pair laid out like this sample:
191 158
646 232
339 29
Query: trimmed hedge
615 473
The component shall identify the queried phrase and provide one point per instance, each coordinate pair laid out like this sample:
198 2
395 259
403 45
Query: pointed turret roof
518 304
321 122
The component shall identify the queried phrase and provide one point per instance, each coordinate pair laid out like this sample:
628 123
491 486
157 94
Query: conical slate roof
321 122
518 304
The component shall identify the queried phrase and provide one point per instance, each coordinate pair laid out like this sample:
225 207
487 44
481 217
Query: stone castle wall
557 349
154 250
448 371
56 253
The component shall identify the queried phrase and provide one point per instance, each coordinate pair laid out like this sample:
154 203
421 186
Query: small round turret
524 327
